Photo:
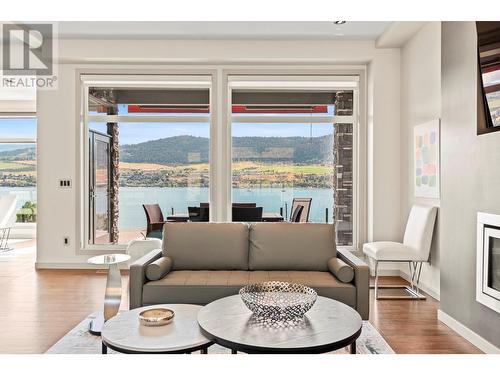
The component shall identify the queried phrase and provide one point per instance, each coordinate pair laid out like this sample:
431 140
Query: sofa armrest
138 277
361 281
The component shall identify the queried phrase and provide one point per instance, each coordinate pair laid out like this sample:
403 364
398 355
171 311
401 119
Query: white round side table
125 334
113 294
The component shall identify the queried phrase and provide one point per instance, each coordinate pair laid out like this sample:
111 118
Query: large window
275 163
292 152
18 165
282 143
146 146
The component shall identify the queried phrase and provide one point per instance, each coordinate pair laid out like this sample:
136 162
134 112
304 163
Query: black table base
202 348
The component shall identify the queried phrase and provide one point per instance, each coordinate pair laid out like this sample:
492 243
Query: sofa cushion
205 286
291 246
206 246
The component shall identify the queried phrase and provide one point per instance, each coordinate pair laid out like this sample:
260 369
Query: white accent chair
7 219
140 247
414 250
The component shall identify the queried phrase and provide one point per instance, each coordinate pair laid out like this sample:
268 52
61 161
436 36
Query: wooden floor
38 307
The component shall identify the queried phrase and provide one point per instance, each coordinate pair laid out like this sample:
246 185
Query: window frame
220 153
19 139
143 81
31 141
305 82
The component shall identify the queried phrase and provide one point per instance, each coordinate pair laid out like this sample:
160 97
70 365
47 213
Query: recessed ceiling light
339 22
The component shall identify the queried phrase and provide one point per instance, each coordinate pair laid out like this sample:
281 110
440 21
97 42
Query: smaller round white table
113 294
123 333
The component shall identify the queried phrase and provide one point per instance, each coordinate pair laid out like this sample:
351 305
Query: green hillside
18 154
193 150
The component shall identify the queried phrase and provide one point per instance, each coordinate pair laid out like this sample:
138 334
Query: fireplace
488 260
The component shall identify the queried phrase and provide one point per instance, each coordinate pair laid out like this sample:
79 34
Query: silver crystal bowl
278 300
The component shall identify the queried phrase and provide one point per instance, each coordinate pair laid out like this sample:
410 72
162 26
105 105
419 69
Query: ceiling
352 30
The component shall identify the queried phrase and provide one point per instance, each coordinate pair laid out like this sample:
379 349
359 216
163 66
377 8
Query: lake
131 199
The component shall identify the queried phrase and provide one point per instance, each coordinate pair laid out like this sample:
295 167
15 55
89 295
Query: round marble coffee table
329 325
113 294
124 334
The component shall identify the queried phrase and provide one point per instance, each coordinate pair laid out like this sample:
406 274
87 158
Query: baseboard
73 266
468 334
387 272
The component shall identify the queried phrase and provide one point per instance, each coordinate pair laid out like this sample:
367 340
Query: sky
17 128
131 133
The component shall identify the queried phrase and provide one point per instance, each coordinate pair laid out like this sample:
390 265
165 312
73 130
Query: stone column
343 170
112 130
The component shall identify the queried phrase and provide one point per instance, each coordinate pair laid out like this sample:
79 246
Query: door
99 189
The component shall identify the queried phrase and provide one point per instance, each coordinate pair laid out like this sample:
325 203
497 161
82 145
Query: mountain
16 153
188 149
173 150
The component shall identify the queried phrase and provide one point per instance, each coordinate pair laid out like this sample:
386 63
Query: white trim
75 266
149 80
489 234
140 119
386 272
484 294
298 81
17 115
310 119
468 334
18 140
295 85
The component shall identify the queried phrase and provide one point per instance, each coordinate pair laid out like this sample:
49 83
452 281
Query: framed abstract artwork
426 159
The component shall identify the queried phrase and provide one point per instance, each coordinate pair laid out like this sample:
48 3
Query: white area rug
10 252
80 341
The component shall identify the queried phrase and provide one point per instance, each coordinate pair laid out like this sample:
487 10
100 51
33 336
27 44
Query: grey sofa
201 262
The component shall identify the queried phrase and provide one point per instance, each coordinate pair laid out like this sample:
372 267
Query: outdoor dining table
266 216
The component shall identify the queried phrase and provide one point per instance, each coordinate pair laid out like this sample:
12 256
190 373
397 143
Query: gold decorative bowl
156 317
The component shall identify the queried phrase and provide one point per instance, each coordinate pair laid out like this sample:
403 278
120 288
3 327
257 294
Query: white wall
161 52
56 153
384 158
420 102
383 162
58 121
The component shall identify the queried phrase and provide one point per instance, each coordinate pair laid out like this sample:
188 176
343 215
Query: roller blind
16 99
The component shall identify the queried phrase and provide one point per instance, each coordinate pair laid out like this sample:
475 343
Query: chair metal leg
412 290
4 239
376 279
411 268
